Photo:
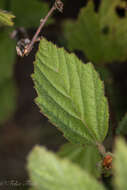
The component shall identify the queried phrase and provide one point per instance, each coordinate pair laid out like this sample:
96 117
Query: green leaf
48 172
6 18
28 12
86 157
120 165
7 86
7 56
8 96
102 35
70 94
122 127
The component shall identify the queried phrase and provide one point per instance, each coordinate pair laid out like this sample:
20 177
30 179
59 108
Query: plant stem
43 21
101 148
57 5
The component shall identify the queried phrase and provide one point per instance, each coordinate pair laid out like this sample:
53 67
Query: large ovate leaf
48 172
120 165
70 94
6 18
102 35
87 157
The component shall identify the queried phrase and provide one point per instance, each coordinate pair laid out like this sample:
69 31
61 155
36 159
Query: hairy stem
101 148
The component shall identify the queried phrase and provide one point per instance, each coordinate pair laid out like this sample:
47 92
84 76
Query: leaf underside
87 157
70 94
51 173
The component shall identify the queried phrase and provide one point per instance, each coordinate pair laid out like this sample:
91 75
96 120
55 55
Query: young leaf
120 165
70 94
51 173
6 18
122 127
100 35
86 157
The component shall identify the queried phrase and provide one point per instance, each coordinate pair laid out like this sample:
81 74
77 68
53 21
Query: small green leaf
102 35
86 157
51 173
6 18
122 127
120 165
70 94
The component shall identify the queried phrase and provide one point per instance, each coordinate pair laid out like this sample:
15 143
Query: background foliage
100 34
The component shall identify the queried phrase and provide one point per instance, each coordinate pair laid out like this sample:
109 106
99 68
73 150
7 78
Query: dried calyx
59 5
22 46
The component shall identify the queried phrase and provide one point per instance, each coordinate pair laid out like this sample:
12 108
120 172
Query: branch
28 45
101 148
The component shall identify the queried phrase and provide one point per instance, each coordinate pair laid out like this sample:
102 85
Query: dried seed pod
59 5
22 47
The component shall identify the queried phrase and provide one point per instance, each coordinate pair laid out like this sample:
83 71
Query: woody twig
58 5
